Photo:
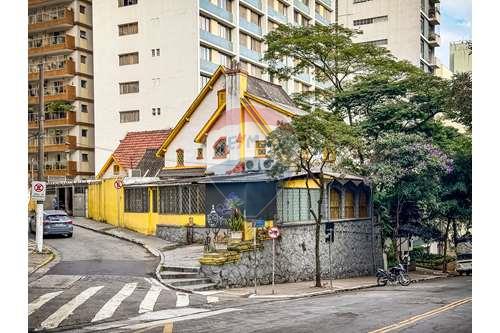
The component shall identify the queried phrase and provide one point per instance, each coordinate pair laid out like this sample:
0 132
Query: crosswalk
84 304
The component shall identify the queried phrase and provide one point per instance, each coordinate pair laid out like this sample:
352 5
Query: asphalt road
383 309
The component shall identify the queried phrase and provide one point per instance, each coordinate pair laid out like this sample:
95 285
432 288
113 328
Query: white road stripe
149 301
35 305
212 299
67 309
182 299
110 307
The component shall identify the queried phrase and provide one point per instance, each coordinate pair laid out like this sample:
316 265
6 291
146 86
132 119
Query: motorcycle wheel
381 281
404 279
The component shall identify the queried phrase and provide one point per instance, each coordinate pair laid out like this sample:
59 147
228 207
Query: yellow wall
299 183
248 230
182 219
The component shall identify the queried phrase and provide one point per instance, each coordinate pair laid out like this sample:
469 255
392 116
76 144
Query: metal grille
136 200
185 199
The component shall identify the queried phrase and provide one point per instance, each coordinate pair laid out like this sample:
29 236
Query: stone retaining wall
178 233
352 252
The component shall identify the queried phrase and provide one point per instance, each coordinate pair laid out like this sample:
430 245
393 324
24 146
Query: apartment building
154 56
409 28
60 37
461 56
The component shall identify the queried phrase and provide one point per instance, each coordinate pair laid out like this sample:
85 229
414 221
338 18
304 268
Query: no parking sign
38 190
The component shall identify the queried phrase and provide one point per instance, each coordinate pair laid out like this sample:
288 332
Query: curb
47 264
51 257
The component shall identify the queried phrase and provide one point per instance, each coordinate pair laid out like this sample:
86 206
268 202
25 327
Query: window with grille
349 205
224 32
123 3
334 204
260 148
136 200
204 23
116 169
129 58
180 157
293 204
129 87
205 53
185 199
220 148
129 116
128 29
363 204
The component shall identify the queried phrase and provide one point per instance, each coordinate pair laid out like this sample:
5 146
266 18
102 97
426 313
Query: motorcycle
395 274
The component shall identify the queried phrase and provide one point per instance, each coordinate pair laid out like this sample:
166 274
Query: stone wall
178 234
352 253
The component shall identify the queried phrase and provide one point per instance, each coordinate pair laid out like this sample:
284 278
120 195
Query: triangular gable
106 166
200 137
269 104
192 108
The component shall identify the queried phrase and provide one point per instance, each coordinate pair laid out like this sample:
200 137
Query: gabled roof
150 164
270 91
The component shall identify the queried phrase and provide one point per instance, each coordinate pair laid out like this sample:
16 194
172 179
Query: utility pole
336 11
41 118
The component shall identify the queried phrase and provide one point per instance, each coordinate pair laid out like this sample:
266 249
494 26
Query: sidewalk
37 260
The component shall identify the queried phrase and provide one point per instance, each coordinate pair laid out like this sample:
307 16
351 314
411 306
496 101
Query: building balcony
434 39
52 144
322 20
50 45
302 7
216 40
277 16
38 3
62 119
250 54
255 3
51 19
305 77
56 168
322 85
327 3
250 27
207 66
55 69
209 7
434 16
64 93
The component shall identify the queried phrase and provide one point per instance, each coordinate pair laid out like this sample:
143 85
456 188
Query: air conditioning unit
258 164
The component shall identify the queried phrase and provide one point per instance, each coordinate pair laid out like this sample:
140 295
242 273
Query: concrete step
171 275
181 269
201 287
187 282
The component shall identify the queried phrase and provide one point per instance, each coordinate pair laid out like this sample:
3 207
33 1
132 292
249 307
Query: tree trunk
318 232
396 232
455 233
445 248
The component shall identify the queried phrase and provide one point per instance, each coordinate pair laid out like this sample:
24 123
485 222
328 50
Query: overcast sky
456 24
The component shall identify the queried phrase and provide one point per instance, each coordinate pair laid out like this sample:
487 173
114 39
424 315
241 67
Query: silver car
55 222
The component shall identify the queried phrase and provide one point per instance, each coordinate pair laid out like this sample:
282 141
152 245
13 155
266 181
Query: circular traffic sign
273 232
38 187
118 184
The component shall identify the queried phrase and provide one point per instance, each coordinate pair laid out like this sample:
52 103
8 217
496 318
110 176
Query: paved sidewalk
185 256
35 259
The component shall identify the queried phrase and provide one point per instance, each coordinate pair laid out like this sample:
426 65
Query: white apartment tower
152 57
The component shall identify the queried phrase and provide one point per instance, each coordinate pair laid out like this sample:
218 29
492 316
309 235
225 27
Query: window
199 153
83 83
225 4
186 199
156 111
136 200
363 204
180 157
84 133
129 87
123 3
255 45
128 29
129 116
370 20
205 53
204 23
220 148
85 157
224 60
84 108
293 206
83 59
255 71
334 204
349 205
203 80
155 52
83 34
128 58
82 9
224 32
116 169
260 148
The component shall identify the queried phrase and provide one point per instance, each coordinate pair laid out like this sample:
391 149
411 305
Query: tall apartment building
460 57
60 37
154 56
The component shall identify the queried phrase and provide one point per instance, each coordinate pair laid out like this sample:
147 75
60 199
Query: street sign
274 232
330 232
259 223
38 190
118 184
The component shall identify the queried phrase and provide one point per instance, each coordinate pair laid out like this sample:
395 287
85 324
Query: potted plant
235 224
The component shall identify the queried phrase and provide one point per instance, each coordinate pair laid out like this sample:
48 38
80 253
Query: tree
313 143
460 102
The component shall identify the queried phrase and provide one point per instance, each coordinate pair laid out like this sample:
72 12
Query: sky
456 24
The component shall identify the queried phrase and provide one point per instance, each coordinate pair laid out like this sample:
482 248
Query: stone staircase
186 278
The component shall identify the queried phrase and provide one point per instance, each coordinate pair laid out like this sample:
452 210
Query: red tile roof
133 146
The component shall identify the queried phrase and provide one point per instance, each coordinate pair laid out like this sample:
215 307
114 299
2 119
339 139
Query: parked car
464 263
55 222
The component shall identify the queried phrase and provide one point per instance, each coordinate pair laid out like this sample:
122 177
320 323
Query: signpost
330 231
273 233
38 194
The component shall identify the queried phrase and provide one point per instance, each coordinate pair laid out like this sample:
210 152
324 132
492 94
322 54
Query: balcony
255 3
33 3
322 19
322 85
277 16
250 54
209 7
63 93
62 119
216 40
208 66
51 19
434 16
52 144
434 39
53 69
56 168
50 45
302 7
327 3
305 77
250 27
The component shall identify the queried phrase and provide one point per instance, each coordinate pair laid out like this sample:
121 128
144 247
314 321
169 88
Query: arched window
220 148
180 157
363 204
349 204
334 204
